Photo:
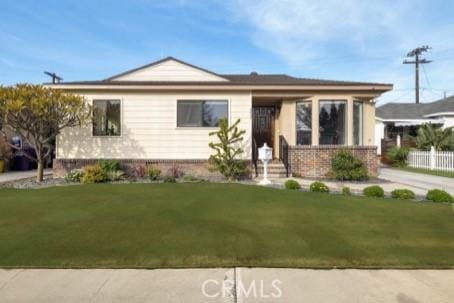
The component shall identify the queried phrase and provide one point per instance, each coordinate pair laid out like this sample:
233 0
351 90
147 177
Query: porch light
265 155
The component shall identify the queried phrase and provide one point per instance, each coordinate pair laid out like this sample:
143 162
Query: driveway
419 181
12 176
241 285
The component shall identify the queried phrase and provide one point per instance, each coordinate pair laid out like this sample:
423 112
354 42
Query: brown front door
263 125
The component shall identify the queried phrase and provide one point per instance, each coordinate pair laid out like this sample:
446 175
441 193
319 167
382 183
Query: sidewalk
241 285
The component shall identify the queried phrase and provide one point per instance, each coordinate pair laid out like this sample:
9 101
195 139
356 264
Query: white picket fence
432 160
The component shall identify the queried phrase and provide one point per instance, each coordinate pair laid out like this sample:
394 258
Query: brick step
276 169
274 176
272 165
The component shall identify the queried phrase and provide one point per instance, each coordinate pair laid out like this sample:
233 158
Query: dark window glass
357 123
304 123
201 113
106 118
332 122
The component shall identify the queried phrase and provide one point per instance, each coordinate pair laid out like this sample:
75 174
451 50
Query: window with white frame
332 122
201 113
304 123
357 123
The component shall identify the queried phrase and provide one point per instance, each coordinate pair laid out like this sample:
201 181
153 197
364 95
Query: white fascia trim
410 120
440 114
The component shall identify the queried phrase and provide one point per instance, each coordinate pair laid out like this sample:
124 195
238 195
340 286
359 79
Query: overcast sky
330 39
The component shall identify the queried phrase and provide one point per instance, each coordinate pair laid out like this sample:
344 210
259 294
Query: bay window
357 123
333 122
304 123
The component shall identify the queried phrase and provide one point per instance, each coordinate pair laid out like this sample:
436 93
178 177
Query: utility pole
417 52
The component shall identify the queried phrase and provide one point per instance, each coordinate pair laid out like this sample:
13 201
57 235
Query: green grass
428 172
212 225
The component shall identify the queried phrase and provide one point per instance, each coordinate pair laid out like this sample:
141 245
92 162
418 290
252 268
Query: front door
263 125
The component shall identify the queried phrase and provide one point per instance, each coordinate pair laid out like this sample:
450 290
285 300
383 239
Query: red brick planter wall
315 161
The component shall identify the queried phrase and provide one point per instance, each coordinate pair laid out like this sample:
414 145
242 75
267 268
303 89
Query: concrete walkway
240 285
388 178
415 180
356 187
12 176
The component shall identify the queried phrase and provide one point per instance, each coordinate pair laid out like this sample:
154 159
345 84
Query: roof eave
104 86
438 114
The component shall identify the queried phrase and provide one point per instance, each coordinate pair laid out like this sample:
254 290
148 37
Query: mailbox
265 153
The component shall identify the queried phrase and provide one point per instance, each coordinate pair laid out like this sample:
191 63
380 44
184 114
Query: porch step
276 169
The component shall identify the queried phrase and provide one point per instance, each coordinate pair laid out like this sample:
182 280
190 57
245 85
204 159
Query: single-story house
403 119
163 112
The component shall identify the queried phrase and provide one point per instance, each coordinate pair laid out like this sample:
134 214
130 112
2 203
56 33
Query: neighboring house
403 119
163 113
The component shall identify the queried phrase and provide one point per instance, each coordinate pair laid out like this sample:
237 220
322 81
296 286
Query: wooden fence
433 160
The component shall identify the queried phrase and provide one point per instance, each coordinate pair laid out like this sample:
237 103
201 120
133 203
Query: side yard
211 225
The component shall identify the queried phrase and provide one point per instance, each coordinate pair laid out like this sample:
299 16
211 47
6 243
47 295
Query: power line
425 76
417 52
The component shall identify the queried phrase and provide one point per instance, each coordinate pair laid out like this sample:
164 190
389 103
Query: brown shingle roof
233 79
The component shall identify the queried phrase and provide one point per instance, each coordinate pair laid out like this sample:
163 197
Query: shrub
93 174
75 175
170 179
291 184
190 178
374 191
175 171
109 165
139 171
398 156
319 187
346 191
404 194
153 172
115 175
345 166
437 195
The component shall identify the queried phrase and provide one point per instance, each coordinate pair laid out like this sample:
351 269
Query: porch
306 131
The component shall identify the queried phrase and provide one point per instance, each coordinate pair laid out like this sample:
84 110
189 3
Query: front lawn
212 225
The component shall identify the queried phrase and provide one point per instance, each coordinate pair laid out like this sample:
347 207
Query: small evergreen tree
227 150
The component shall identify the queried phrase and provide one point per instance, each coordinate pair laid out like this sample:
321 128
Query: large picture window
358 123
333 122
201 113
304 123
106 118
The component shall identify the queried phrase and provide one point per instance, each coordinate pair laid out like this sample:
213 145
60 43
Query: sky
353 40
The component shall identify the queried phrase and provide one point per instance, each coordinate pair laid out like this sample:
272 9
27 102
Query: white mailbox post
266 155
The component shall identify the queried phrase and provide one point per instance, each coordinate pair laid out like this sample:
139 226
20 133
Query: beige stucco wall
287 118
149 128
